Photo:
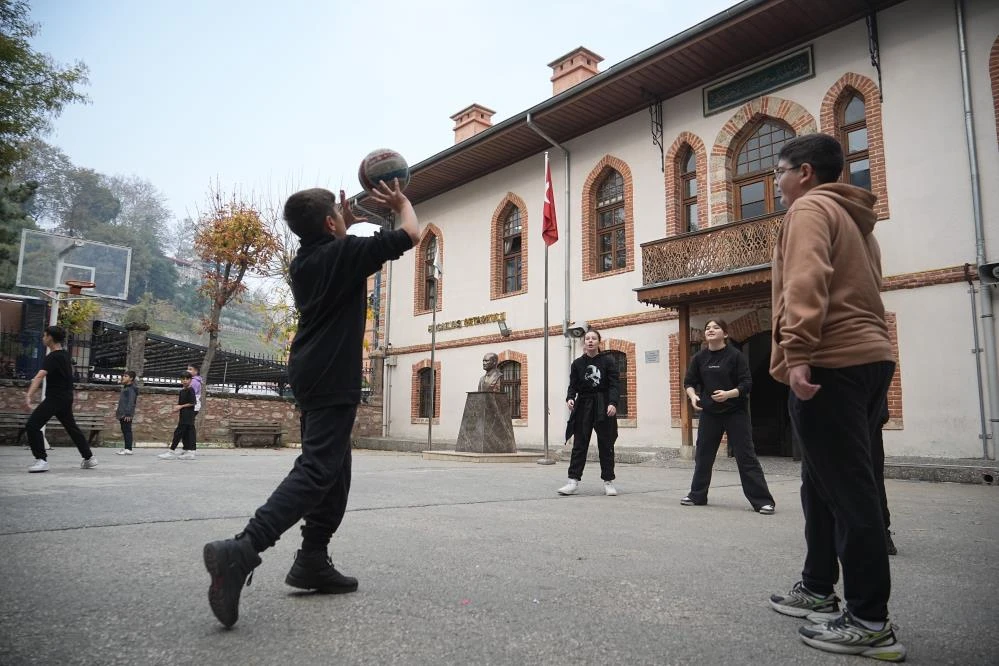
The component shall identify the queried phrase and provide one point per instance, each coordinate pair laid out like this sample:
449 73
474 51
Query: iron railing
711 251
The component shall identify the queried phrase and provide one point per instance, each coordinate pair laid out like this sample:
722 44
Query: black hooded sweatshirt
328 279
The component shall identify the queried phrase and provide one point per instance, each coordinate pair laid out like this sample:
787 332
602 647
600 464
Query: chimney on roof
470 121
574 67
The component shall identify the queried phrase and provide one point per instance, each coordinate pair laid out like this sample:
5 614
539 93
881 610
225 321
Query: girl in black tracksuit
717 383
592 397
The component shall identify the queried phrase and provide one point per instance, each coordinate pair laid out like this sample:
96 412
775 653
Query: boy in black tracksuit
717 382
328 276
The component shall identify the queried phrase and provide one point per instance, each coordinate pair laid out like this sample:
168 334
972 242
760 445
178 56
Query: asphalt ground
459 563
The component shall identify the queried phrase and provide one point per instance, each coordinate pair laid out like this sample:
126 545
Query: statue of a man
490 381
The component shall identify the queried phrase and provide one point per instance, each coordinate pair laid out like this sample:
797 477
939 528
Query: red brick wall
154 420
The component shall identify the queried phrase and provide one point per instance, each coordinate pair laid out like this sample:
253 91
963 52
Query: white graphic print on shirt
592 376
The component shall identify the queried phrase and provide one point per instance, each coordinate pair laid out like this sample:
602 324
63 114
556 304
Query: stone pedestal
485 425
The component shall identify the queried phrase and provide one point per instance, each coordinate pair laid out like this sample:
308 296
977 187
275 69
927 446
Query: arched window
429 274
426 393
688 191
612 249
622 370
510 384
512 245
755 190
852 123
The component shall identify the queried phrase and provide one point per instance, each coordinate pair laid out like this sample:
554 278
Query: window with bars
510 385
429 276
612 250
622 370
755 190
426 393
688 191
852 122
512 250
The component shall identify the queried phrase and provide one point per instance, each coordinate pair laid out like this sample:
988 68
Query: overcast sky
269 97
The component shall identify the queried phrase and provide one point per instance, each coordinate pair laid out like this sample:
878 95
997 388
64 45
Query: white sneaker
569 488
89 463
609 489
169 455
123 452
39 466
186 455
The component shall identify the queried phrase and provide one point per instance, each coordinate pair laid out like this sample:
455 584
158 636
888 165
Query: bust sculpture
490 381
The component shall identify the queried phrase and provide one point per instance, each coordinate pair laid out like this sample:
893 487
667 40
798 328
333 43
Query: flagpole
546 460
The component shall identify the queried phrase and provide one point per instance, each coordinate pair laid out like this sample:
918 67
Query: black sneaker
845 635
230 563
315 571
892 550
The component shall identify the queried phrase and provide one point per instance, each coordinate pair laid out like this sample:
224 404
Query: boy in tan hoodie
831 346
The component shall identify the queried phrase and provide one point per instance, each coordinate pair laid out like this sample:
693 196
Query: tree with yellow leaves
231 240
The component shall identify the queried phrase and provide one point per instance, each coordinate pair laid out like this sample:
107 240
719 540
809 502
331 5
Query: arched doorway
768 400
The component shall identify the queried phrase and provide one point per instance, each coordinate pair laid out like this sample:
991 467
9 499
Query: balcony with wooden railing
710 263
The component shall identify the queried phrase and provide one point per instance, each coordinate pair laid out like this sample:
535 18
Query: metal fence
22 353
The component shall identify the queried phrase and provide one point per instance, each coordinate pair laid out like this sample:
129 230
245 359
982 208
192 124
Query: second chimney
470 121
574 67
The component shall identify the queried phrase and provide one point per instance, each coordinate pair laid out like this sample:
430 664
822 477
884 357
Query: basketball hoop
76 287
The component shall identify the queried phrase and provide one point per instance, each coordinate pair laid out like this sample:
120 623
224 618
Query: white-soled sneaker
89 463
123 452
845 635
169 455
39 466
609 489
186 455
570 488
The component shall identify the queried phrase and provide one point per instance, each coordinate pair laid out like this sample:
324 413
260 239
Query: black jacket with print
591 375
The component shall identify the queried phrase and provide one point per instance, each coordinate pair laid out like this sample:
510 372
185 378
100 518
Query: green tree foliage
12 220
33 87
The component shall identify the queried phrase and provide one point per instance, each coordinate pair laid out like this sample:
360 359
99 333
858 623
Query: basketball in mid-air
383 164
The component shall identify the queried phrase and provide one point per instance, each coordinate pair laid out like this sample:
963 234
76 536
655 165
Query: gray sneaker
89 463
802 602
845 635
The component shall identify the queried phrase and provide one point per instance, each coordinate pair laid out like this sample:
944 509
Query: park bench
88 422
256 429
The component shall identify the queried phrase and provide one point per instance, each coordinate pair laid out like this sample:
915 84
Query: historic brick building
667 215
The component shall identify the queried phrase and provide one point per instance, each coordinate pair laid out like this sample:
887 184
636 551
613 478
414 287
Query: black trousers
186 433
585 423
126 432
740 437
63 411
840 495
317 487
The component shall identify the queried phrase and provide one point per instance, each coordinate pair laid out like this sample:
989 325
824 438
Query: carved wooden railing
715 250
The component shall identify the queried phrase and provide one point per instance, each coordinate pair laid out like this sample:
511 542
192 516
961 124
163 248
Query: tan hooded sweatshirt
827 309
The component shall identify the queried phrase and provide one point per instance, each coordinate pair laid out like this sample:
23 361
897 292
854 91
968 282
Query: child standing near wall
185 431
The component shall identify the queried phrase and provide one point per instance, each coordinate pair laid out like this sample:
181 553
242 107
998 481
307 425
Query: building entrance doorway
767 401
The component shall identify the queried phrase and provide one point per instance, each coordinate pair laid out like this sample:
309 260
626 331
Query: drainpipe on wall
564 233
985 293
388 365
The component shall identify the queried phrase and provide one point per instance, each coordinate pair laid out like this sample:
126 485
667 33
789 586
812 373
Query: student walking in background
127 400
185 431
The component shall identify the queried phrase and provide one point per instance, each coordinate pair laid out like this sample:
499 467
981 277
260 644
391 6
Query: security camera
576 329
989 273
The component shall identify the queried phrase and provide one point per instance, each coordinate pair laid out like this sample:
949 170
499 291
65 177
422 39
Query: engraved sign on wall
759 80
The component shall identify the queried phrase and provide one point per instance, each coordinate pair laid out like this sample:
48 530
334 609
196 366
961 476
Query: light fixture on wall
504 329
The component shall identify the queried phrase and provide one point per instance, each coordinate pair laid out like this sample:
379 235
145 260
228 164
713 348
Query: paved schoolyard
459 563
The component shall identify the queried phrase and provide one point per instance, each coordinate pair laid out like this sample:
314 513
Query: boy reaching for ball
328 278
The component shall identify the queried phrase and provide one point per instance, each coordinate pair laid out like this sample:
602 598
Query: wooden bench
250 428
88 422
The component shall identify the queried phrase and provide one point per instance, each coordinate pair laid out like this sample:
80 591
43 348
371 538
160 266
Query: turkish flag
549 228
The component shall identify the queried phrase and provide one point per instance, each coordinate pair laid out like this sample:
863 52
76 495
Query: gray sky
270 97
